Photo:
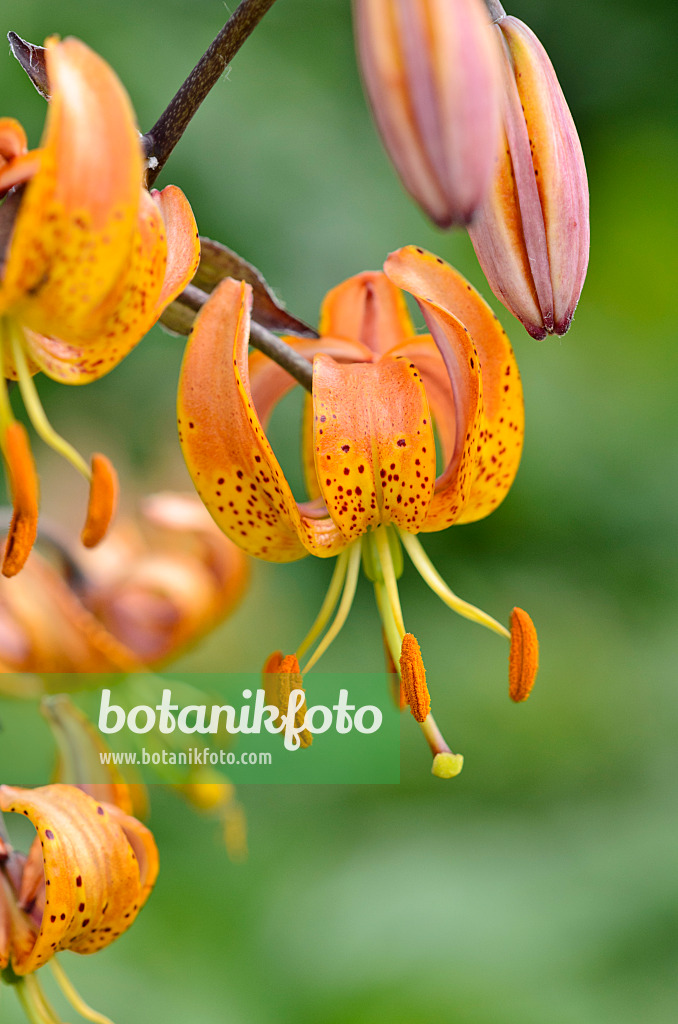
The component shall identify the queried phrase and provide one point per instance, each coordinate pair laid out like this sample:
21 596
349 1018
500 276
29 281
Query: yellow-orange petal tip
413 678
24 487
523 657
103 499
446 765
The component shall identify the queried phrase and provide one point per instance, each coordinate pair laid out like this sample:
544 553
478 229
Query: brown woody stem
263 340
171 125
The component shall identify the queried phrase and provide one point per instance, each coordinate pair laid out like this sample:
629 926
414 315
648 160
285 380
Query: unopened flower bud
432 73
531 235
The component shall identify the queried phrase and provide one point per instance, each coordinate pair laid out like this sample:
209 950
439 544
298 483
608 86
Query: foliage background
540 885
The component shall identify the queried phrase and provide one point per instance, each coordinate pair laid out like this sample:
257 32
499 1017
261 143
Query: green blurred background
540 885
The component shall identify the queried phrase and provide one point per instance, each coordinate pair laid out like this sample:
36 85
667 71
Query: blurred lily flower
369 447
531 234
432 74
83 762
87 875
151 590
91 261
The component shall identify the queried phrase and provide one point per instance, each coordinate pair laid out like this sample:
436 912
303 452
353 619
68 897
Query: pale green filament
328 605
384 559
430 575
394 637
352 572
33 1000
74 998
36 412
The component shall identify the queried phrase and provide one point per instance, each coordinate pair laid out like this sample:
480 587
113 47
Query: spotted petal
99 868
72 238
490 429
368 309
374 445
163 260
228 455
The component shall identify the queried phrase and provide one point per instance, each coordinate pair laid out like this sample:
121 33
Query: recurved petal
269 382
16 164
374 445
425 354
128 313
78 216
499 443
559 168
98 870
183 243
146 852
226 450
367 309
12 140
421 274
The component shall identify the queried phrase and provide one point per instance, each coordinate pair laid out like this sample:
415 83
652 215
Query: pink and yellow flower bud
531 235
432 74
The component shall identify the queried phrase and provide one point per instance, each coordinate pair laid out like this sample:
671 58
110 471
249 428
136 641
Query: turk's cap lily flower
369 450
153 588
531 234
89 872
432 74
92 259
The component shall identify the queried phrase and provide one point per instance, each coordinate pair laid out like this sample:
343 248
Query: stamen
103 498
523 657
430 575
352 570
74 998
413 677
384 560
392 635
395 682
34 1002
23 483
289 678
35 410
328 605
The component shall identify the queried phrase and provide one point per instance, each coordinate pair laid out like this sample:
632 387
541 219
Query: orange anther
103 498
524 655
413 676
290 678
24 487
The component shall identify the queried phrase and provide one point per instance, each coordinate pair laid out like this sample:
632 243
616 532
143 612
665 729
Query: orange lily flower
369 446
92 261
87 875
152 589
